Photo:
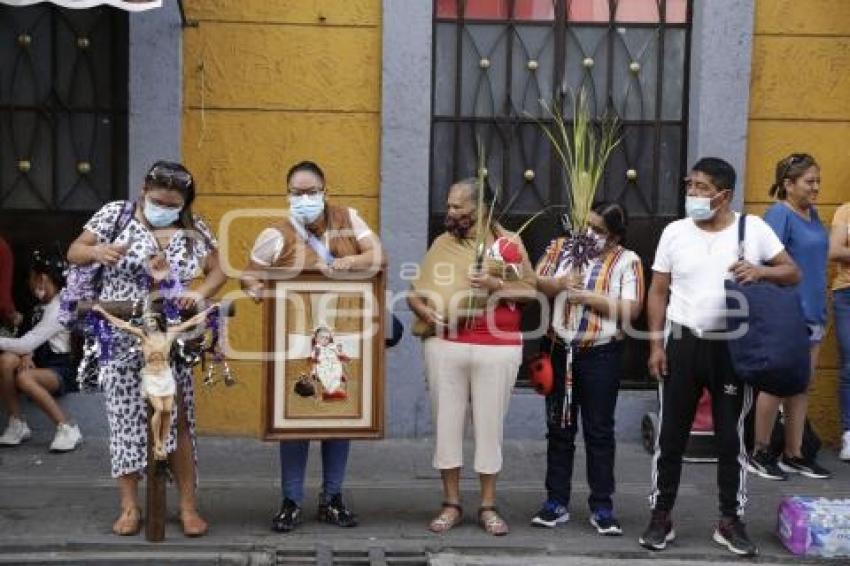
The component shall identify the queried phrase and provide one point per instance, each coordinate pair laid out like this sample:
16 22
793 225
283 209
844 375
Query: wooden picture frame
327 333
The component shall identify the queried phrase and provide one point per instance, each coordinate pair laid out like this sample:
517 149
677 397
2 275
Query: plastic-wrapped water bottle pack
815 526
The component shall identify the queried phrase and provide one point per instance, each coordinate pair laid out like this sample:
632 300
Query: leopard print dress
120 373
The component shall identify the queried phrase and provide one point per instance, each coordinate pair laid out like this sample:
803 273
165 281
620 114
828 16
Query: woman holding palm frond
600 299
597 285
467 299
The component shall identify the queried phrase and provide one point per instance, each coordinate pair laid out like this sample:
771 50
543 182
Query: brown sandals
129 523
491 521
450 515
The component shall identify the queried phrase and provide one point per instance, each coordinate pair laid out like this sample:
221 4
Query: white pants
460 374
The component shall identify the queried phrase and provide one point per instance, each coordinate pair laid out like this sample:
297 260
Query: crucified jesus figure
158 384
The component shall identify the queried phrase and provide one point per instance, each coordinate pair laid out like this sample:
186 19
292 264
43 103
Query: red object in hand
541 374
509 250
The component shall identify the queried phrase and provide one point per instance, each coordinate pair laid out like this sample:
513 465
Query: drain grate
324 555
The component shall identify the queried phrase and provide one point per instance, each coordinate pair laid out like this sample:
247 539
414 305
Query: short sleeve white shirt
698 262
269 244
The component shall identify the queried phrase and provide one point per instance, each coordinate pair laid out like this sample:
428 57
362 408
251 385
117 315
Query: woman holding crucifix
161 225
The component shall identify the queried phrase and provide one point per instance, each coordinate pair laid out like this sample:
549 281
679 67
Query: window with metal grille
63 121
63 106
493 62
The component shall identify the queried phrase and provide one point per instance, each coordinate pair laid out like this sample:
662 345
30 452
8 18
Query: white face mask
39 288
600 240
699 208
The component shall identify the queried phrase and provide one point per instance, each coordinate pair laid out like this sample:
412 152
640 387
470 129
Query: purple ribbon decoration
97 326
581 249
171 289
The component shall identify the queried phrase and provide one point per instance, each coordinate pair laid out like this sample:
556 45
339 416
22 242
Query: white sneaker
67 438
16 432
845 446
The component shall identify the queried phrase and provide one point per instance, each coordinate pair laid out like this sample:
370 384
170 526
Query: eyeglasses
308 192
168 177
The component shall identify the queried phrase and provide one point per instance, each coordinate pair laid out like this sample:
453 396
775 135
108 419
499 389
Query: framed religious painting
324 366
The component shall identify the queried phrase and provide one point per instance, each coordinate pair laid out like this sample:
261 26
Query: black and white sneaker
765 464
335 512
605 523
732 534
551 514
659 532
808 468
288 518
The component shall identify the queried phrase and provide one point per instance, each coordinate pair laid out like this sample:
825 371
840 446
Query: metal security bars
63 108
494 60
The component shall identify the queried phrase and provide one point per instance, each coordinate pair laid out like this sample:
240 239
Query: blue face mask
307 209
699 208
160 216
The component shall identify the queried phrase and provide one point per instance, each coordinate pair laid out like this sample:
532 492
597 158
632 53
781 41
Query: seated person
38 363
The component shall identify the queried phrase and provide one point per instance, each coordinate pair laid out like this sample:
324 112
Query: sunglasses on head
169 177
791 161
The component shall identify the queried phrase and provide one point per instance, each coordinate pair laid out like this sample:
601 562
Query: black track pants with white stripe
694 364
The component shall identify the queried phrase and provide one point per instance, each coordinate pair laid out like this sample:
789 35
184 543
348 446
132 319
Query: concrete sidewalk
59 508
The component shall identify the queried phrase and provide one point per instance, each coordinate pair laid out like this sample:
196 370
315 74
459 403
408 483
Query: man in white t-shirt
687 298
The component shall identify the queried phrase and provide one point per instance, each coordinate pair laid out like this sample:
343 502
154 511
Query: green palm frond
537 215
481 228
583 152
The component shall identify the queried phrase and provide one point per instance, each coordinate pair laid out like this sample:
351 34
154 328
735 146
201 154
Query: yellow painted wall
800 101
267 84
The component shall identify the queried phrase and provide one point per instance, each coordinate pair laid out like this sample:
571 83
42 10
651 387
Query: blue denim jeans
596 372
293 467
841 308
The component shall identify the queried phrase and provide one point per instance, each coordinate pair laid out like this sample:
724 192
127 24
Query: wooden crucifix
158 387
